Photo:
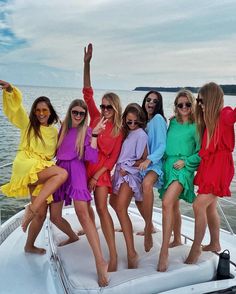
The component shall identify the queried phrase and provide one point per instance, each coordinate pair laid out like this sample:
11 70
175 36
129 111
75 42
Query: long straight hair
34 124
213 101
114 100
81 129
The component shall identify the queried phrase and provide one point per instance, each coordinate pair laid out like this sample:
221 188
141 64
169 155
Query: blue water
61 98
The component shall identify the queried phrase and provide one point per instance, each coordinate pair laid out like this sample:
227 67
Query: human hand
100 126
88 53
123 172
179 164
92 184
5 85
143 165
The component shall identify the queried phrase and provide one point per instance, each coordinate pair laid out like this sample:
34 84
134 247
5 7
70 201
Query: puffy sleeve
157 133
110 162
90 154
92 108
13 108
229 115
141 144
192 161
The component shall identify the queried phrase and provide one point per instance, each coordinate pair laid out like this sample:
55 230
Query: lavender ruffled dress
131 151
75 186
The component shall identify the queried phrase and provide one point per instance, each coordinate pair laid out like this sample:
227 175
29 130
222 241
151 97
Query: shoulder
226 110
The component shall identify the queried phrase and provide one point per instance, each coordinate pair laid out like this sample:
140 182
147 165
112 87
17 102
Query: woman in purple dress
76 144
127 179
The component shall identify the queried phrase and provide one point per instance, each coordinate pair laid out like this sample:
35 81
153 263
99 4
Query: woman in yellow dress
33 172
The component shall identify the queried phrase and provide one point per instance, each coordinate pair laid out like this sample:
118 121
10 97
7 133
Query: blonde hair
114 100
189 95
81 129
213 101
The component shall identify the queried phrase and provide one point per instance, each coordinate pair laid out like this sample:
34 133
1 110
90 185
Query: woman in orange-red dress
215 173
109 145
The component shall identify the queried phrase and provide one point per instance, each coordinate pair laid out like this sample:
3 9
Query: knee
55 219
101 210
197 207
147 186
40 217
63 175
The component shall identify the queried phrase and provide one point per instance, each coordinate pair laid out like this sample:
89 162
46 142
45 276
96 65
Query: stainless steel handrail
5 165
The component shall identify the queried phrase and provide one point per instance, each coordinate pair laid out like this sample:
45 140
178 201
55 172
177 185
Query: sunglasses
76 113
107 107
187 104
151 100
199 100
43 111
132 123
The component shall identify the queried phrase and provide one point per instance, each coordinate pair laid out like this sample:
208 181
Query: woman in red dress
109 145
216 129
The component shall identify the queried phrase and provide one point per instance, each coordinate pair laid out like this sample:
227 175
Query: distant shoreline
228 89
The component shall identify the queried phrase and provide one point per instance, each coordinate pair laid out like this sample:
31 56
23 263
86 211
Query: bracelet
94 135
94 179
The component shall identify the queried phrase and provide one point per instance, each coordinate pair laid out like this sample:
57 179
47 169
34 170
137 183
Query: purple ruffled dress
75 186
132 150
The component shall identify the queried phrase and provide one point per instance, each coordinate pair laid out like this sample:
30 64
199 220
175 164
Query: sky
136 42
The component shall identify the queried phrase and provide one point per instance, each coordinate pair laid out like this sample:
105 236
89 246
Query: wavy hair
158 106
137 110
213 101
34 124
81 129
189 95
114 100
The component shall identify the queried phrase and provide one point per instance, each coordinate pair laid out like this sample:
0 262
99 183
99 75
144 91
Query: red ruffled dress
216 169
108 146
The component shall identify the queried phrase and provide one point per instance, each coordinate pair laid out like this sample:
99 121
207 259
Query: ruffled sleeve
13 108
192 161
229 115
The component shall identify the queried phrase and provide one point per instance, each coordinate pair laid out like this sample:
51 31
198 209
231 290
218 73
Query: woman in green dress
180 162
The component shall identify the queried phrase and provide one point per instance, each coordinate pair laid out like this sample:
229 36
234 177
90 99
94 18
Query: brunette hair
34 124
137 110
81 129
158 106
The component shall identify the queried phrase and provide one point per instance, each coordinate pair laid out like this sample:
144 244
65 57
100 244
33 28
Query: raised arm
88 52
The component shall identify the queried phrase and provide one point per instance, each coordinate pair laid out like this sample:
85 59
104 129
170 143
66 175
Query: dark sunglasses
181 105
151 100
132 122
76 113
107 107
199 100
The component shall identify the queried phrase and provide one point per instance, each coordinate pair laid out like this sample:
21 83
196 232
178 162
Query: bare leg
214 228
200 206
61 223
148 197
123 200
101 194
176 227
168 205
82 211
92 216
35 228
51 178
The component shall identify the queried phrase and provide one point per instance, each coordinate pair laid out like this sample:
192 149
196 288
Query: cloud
135 42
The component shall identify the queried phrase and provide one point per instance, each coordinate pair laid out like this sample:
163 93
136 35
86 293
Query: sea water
61 98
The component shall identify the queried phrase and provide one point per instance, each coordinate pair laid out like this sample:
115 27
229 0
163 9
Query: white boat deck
75 263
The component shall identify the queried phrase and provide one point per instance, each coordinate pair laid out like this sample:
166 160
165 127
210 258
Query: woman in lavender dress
77 143
127 179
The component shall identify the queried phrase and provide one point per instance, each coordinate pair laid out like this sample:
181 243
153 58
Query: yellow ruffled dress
30 159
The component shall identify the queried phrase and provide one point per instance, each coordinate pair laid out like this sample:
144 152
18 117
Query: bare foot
81 232
175 244
148 242
68 241
133 261
141 233
193 255
163 262
112 266
34 250
211 247
27 218
102 274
